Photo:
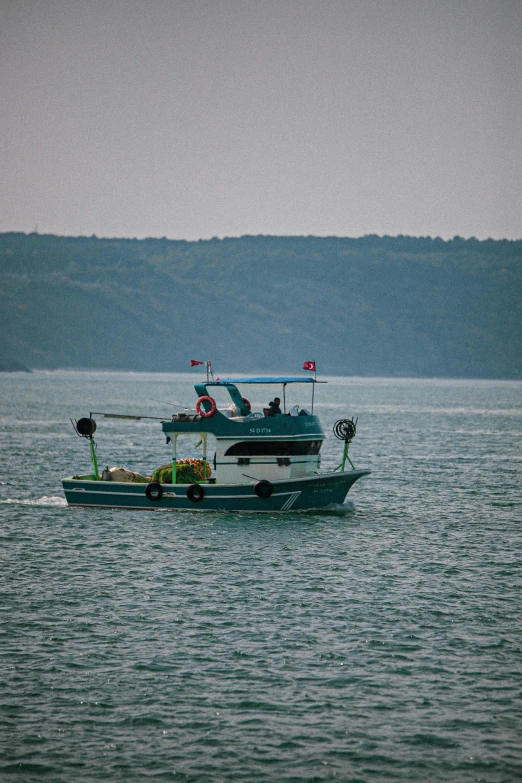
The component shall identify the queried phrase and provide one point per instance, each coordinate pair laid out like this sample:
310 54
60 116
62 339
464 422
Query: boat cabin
251 446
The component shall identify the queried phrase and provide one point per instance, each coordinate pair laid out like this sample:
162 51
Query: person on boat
274 407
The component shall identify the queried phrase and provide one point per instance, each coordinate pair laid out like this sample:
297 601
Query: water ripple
370 642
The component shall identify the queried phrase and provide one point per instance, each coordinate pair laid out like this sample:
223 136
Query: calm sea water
379 641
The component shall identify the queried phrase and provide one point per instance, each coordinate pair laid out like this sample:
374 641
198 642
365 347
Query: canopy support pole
173 480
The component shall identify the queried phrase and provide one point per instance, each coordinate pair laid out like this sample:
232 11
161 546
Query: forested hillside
370 306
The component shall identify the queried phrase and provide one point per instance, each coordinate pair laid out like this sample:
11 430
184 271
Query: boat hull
300 494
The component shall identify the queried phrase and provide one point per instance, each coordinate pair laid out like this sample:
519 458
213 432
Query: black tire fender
263 488
195 493
86 427
154 491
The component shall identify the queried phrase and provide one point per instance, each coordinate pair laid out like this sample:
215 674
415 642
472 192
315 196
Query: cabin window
269 448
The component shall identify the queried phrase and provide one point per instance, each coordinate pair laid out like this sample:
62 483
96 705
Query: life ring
247 404
154 491
195 493
263 488
213 407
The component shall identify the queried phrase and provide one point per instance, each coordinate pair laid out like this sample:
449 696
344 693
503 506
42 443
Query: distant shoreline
14 366
191 376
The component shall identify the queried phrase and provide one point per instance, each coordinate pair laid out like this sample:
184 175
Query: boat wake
340 508
336 509
45 500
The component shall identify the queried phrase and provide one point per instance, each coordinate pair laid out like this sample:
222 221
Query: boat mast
313 387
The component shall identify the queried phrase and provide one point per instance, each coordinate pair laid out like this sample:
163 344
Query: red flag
309 366
193 362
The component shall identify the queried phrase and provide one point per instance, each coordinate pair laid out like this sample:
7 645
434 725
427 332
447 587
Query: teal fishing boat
264 461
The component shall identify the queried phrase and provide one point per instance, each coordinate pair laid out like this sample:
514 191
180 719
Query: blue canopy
265 380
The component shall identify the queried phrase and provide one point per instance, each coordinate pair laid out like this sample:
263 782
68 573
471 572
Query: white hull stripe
287 504
290 502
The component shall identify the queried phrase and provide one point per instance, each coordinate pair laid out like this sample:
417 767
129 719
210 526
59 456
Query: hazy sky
192 119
